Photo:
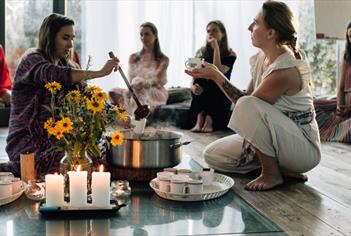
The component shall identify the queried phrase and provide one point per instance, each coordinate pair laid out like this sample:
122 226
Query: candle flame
101 169
78 168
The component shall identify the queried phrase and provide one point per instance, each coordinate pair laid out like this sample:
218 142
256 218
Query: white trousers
269 130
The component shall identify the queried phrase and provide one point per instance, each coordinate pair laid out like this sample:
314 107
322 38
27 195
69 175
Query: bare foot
199 123
207 128
270 174
294 175
196 129
264 182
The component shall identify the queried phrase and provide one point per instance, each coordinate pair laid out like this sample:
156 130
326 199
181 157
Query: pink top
147 78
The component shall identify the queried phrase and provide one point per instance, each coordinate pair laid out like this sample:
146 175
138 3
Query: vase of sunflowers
78 126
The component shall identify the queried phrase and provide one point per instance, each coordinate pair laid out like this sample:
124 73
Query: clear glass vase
71 161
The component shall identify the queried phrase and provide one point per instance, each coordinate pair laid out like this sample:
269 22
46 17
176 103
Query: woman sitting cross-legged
206 113
276 114
334 116
147 73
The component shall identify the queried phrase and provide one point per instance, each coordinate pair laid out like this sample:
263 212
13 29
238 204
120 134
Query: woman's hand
197 89
138 83
111 64
343 110
213 42
208 71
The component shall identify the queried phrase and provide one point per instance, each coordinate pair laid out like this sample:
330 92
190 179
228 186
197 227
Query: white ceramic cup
207 176
193 63
139 125
164 179
178 184
6 176
195 186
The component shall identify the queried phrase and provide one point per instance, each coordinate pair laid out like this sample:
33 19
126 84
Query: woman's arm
278 83
211 72
81 75
217 56
132 67
341 109
341 94
162 70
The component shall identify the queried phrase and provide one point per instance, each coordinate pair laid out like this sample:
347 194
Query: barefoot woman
275 119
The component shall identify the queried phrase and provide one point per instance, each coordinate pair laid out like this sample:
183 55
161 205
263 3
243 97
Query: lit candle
54 189
78 188
100 187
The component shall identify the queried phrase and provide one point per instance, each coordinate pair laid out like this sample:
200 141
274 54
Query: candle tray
84 212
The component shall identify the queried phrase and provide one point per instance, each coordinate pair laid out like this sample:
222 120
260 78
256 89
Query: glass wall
179 36
74 11
23 19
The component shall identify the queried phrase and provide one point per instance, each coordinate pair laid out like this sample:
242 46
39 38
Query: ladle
142 111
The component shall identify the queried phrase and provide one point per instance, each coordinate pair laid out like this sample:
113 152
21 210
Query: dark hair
347 53
278 16
48 31
207 51
157 49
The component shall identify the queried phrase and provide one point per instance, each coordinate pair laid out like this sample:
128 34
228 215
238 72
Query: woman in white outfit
275 119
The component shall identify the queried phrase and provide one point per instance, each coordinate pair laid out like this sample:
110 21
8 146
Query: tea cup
193 63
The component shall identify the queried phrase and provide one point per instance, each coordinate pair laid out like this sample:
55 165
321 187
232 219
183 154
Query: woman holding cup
276 113
207 114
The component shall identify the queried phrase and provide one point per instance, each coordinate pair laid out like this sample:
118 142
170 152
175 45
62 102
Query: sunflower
66 124
100 96
73 96
95 106
117 138
53 86
49 125
93 89
58 133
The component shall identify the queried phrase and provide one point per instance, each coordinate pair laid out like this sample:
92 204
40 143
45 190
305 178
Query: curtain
114 26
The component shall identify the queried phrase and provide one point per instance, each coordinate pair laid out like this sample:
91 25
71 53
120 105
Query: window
23 19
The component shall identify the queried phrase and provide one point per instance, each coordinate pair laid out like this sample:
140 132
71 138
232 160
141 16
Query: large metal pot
157 149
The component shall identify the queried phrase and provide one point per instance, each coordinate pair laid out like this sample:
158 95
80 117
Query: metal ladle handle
126 81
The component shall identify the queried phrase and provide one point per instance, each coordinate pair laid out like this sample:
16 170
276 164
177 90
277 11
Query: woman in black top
210 108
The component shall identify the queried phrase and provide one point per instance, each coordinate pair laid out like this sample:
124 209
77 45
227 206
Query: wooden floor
321 206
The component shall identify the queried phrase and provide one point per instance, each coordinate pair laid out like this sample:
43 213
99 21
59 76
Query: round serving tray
13 197
219 187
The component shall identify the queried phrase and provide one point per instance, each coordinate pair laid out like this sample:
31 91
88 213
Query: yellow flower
53 86
117 138
49 123
73 96
100 96
66 124
121 112
58 133
95 106
124 116
93 89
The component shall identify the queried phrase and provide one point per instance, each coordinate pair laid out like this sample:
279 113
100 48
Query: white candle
54 189
100 188
78 188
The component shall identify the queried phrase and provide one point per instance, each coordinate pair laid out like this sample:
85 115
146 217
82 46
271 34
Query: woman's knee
245 104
